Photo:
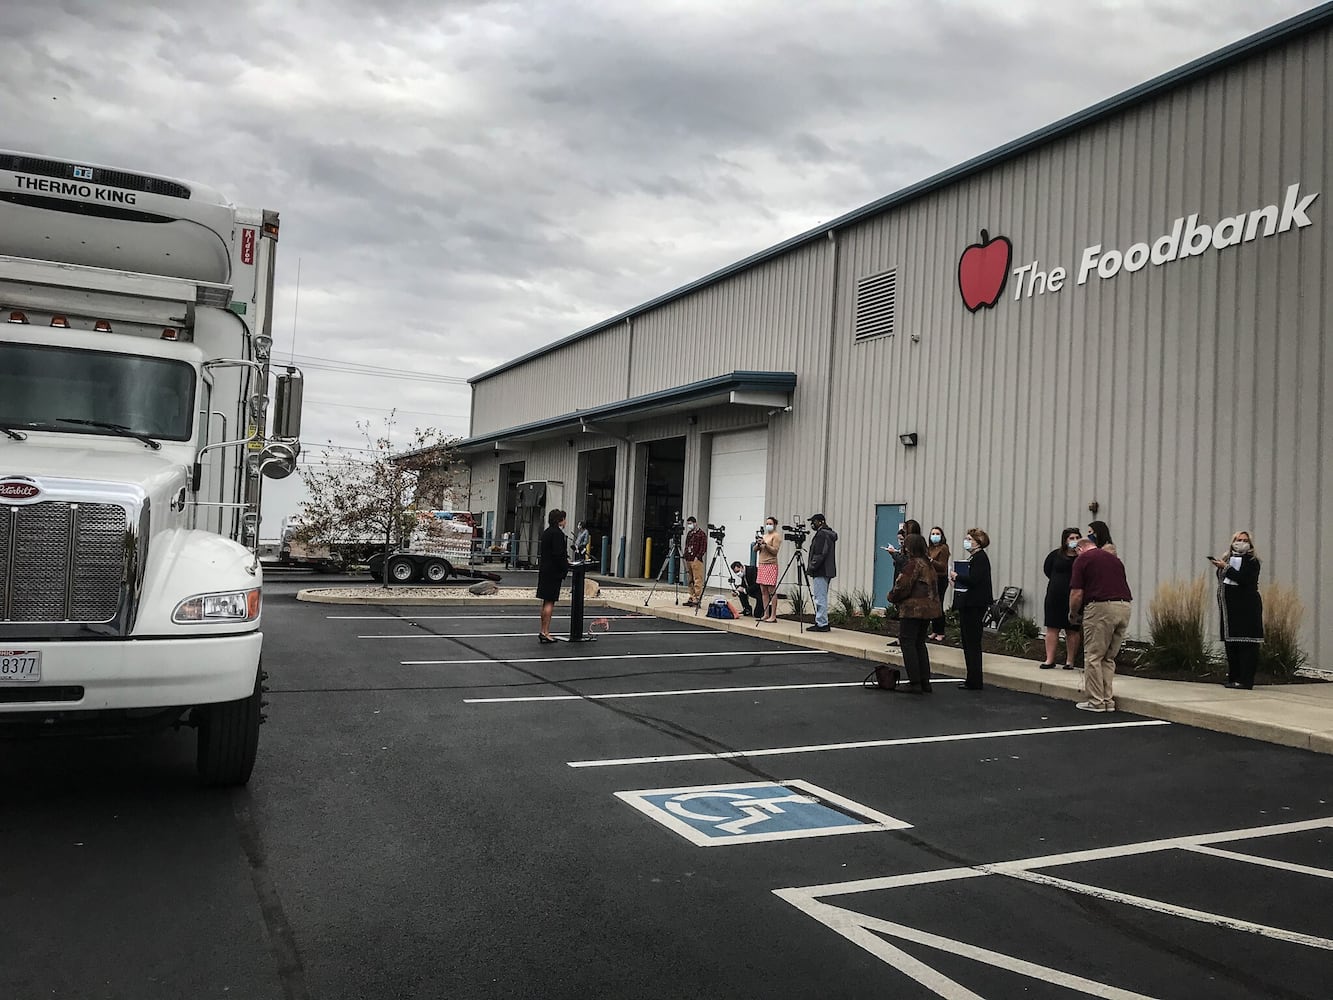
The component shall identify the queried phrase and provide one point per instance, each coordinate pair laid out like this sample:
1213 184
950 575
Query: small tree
372 491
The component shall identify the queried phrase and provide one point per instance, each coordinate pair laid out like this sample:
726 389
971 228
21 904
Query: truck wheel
401 570
229 739
437 571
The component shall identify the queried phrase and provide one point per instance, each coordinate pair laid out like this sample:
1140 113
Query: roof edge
1270 37
732 380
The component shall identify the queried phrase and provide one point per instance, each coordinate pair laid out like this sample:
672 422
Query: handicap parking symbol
756 811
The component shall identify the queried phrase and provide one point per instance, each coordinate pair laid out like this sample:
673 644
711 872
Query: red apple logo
983 270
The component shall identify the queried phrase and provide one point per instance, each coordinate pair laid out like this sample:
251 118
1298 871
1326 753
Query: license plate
20 665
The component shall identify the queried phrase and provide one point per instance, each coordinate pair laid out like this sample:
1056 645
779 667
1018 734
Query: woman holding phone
1241 608
766 549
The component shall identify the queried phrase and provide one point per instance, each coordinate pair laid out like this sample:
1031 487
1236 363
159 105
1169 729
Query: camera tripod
673 557
802 579
718 551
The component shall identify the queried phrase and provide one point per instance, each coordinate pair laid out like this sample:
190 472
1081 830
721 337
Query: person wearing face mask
1100 535
972 602
1241 608
696 547
1058 568
937 551
766 549
910 527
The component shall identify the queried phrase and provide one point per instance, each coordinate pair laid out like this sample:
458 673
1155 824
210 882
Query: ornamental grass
1176 628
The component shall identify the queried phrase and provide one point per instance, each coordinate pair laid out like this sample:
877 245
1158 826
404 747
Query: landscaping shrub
1281 654
1017 633
800 601
953 629
838 617
1176 627
845 603
865 601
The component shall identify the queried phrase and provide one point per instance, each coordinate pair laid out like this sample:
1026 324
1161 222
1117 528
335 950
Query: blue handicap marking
711 815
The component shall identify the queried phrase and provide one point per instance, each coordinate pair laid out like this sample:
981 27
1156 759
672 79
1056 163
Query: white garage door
736 493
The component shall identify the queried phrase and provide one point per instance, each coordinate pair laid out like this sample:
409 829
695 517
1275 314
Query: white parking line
623 656
862 744
468 618
1254 859
530 635
1174 910
869 931
659 694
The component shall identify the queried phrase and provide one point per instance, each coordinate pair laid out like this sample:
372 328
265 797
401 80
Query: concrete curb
1256 715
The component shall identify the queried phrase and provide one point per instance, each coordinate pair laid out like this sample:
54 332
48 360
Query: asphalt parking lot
445 808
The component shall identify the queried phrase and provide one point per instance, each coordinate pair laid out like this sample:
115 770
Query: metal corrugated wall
585 374
1187 399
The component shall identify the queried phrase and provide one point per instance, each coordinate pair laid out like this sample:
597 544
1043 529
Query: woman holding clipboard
972 595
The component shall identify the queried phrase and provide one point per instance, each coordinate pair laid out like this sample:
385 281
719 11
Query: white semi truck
135 338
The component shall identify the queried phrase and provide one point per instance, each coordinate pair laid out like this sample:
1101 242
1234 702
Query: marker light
17 317
102 326
60 321
169 334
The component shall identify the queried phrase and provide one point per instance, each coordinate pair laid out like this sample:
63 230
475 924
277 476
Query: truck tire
229 739
438 570
400 569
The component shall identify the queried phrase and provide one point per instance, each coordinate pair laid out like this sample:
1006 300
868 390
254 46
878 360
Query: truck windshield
47 387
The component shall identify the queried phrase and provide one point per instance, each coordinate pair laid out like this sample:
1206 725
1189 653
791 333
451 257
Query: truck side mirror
287 405
277 460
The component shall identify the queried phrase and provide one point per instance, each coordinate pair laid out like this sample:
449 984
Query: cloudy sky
461 181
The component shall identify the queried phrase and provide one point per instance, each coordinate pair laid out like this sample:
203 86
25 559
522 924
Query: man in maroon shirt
696 547
1099 594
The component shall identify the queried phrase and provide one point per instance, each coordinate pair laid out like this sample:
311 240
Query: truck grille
62 562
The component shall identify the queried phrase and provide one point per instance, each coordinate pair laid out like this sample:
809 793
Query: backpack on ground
719 608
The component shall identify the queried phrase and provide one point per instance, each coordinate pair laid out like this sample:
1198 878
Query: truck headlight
232 606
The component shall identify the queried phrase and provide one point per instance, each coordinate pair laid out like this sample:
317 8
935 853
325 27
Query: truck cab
135 340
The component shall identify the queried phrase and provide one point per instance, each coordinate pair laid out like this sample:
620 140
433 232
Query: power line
374 371
385 409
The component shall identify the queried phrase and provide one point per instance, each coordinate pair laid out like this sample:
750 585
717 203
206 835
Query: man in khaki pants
1099 594
696 547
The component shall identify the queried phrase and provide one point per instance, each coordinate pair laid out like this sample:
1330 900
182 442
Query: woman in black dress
1241 608
1059 565
551 569
972 595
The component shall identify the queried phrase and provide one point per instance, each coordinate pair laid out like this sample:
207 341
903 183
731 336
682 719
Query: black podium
577 572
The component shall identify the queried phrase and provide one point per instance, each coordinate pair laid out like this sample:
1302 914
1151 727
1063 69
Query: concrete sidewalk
1295 715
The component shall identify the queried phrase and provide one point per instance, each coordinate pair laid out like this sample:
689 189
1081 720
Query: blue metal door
889 517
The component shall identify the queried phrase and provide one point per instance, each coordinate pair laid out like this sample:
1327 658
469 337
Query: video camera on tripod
796 533
676 529
718 531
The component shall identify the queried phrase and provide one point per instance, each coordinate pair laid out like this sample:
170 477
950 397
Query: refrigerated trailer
135 435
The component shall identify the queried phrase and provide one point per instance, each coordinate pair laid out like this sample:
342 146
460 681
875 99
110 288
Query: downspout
828 381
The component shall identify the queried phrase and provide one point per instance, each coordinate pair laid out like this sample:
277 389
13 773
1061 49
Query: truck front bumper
139 673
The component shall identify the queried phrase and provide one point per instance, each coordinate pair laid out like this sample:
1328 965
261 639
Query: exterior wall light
908 440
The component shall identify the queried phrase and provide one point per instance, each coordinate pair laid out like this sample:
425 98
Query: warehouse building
1126 312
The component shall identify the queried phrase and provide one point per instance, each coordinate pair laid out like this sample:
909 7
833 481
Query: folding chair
1005 607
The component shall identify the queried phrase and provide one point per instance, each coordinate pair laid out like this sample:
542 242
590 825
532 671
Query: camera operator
766 548
696 547
822 568
747 588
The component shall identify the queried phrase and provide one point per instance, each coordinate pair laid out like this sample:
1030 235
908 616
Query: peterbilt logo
12 489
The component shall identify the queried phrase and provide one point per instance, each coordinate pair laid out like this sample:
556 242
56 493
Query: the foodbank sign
983 269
